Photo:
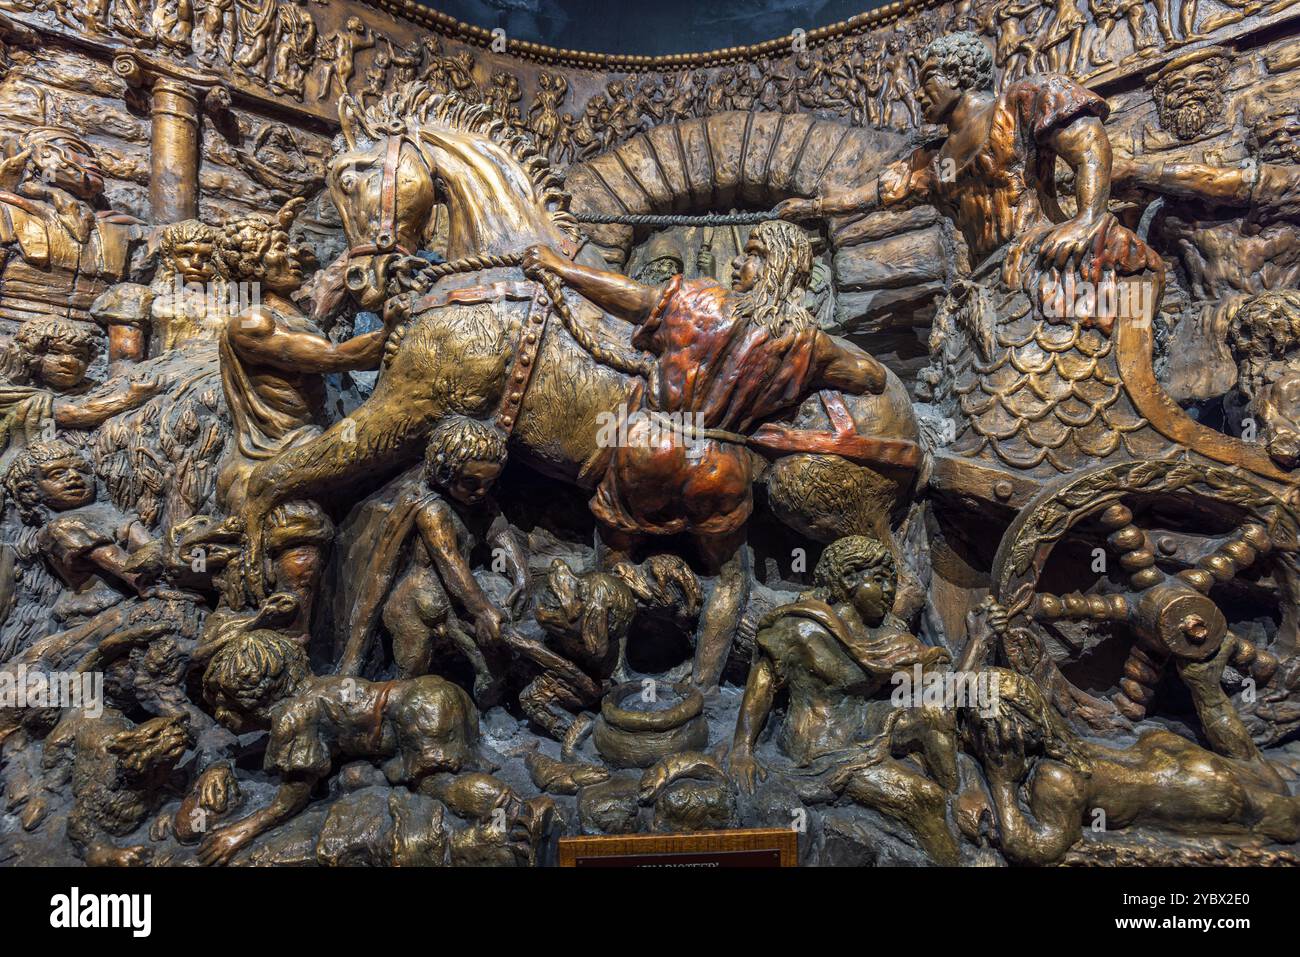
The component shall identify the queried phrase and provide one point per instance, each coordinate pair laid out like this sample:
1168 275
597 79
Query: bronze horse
462 347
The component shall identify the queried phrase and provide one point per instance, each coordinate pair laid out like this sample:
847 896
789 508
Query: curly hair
25 470
1021 703
1266 326
964 59
458 440
185 232
847 555
243 243
34 339
253 670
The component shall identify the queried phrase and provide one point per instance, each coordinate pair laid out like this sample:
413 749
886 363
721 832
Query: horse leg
725 556
377 436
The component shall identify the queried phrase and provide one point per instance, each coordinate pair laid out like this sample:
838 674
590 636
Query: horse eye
348 181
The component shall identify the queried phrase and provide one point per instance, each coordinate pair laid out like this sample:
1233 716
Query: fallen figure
424 730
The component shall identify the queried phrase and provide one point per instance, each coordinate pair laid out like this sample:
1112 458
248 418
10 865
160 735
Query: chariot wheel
1168 544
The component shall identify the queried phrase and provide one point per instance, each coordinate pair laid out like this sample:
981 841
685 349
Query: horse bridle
385 240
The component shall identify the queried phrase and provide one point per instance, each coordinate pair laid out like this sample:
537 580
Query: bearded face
1189 101
769 279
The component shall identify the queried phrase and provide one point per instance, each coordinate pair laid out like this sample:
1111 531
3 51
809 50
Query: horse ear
350 120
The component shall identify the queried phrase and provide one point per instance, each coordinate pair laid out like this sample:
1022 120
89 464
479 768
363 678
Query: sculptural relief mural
418 449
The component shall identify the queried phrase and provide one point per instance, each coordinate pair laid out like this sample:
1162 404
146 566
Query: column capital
143 72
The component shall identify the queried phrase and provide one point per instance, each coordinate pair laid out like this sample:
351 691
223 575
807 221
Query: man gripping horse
726 360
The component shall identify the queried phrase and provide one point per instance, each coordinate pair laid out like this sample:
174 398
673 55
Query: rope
628 363
650 219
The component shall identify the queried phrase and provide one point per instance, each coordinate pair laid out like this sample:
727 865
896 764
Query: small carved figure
340 56
295 47
120 774
586 618
1164 781
833 649
1264 336
451 513
47 388
256 21
424 729
214 35
173 22
189 297
86 543
61 248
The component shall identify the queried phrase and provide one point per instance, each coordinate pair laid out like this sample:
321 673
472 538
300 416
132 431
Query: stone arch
889 267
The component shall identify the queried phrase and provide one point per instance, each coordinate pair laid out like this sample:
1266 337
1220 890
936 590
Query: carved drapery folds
329 410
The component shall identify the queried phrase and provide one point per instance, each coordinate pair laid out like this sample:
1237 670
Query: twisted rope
652 219
628 363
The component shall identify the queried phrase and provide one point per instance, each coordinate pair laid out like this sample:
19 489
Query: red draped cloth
716 371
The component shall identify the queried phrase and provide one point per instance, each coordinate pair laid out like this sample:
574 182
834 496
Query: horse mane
415 104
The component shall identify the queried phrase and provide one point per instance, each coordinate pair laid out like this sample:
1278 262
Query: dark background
650 27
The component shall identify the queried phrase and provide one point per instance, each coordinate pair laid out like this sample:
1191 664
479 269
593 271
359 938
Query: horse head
412 149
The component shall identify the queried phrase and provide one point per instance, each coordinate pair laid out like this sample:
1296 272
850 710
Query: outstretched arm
904 182
257 335
1224 184
93 412
223 844
611 291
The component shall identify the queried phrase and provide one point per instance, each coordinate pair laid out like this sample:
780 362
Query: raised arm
91 412
611 291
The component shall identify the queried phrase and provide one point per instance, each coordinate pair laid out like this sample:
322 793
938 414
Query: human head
251 672
952 65
1275 135
1262 330
770 277
464 458
49 475
1024 712
53 353
859 571
258 248
63 159
189 251
1188 91
663 260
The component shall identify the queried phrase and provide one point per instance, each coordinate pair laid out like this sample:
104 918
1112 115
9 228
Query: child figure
45 371
86 543
424 730
452 514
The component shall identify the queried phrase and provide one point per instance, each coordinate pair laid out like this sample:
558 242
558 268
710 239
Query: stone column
177 98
